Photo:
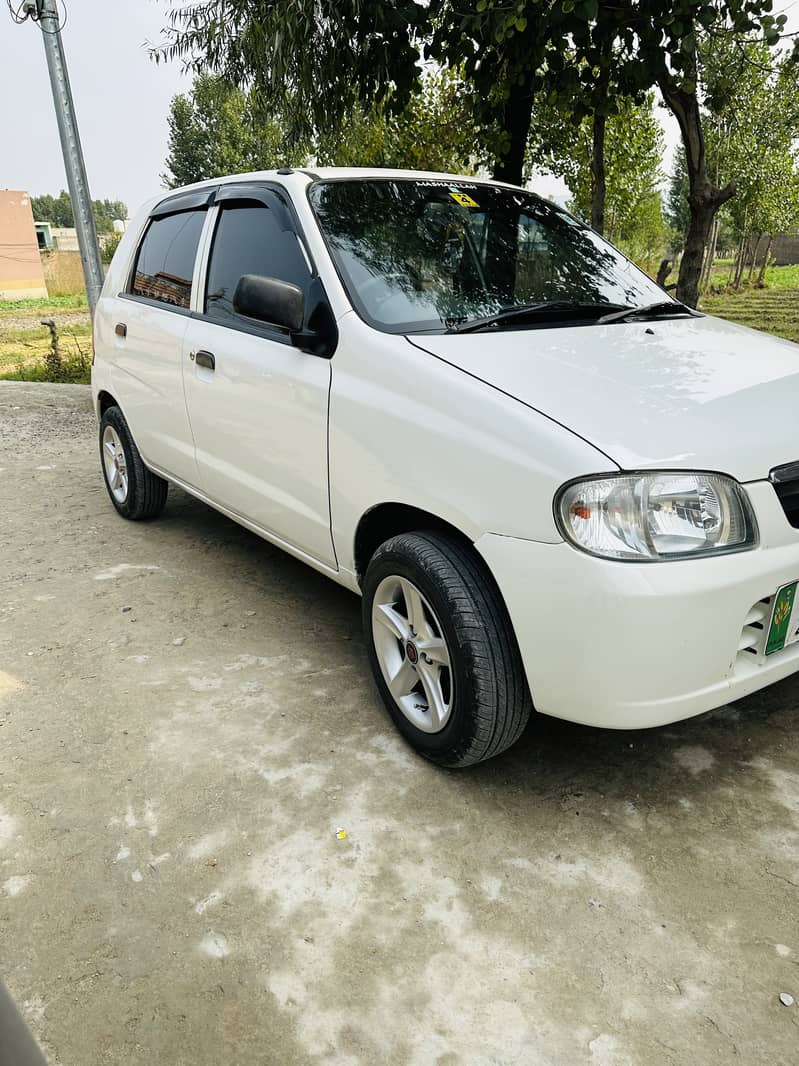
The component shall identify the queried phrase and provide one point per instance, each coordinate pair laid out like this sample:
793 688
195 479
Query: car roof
312 173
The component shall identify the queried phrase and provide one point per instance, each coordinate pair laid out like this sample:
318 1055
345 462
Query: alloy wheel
115 464
413 654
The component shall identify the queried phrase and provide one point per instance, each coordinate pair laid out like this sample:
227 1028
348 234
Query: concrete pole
49 22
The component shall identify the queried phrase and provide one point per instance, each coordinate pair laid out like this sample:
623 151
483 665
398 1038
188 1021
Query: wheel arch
387 520
104 401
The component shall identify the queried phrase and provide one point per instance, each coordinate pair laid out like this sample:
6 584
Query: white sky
122 100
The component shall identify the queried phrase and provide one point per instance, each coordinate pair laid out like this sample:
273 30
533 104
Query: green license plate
784 628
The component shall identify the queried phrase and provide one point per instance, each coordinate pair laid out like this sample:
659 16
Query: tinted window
165 262
249 240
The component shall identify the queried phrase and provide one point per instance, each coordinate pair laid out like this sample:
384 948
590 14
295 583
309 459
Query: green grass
773 309
75 302
73 372
25 342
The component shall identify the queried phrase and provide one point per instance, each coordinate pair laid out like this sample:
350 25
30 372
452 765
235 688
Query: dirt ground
187 720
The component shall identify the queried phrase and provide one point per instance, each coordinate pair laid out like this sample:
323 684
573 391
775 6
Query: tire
482 703
136 492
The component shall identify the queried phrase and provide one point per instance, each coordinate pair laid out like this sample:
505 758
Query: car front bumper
633 645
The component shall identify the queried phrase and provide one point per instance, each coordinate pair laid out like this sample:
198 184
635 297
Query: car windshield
421 255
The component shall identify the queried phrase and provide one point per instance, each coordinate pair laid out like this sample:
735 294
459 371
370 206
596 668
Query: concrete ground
187 720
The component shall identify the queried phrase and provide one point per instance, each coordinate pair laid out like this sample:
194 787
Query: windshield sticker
463 199
445 185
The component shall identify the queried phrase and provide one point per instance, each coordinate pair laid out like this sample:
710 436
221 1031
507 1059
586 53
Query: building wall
785 250
21 275
65 238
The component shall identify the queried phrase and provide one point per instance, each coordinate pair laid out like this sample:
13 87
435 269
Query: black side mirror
270 300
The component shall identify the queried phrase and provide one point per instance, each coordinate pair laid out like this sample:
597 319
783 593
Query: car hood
694 393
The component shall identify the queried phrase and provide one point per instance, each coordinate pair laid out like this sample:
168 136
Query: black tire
491 703
147 491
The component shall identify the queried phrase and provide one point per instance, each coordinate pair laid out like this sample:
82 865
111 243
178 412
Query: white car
551 484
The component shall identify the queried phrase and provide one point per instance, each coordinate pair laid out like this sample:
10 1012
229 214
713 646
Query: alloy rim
413 654
115 464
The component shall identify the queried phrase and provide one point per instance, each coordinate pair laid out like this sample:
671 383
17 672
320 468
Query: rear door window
250 239
165 261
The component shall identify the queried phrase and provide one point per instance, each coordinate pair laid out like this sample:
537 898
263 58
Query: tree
216 129
678 210
320 56
514 51
632 151
312 60
754 139
434 131
58 211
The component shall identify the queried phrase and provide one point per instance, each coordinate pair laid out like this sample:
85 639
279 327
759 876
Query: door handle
121 329
205 359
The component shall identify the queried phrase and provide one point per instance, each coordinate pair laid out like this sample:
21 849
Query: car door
149 323
258 405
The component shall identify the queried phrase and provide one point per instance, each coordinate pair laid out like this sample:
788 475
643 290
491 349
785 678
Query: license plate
784 627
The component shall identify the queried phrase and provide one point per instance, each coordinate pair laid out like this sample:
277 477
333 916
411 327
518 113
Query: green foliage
61 303
753 141
310 60
678 211
214 131
318 58
108 247
432 132
217 129
58 211
634 145
314 60
72 370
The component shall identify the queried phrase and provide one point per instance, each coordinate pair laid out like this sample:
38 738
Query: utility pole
45 12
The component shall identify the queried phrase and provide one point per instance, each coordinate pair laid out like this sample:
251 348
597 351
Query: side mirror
270 300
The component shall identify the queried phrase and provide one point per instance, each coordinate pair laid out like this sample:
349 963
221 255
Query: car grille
753 634
785 480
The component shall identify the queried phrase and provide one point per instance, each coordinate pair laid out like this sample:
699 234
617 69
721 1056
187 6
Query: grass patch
75 302
772 309
73 371
29 345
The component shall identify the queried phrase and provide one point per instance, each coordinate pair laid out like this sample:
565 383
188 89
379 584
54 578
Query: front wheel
136 492
442 649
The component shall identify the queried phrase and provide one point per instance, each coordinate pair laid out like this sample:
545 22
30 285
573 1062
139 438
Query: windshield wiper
656 310
523 311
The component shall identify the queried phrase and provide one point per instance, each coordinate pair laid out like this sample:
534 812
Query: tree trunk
516 120
710 255
741 262
761 277
753 263
693 256
704 198
598 182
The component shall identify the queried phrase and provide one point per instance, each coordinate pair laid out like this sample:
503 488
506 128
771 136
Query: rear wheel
136 492
442 649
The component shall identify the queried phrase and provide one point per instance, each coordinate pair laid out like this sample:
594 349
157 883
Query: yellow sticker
462 199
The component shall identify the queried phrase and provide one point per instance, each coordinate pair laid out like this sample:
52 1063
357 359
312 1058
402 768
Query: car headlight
656 516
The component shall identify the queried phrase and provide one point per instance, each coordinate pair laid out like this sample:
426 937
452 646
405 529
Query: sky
122 101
